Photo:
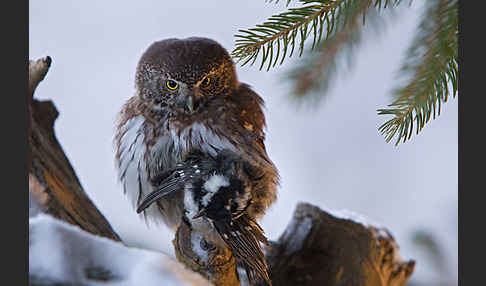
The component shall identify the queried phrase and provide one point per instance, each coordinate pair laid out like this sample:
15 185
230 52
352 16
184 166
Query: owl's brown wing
250 114
248 125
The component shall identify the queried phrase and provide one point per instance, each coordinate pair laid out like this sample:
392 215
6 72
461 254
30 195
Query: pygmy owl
190 148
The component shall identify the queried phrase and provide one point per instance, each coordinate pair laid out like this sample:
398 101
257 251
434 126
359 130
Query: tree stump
318 248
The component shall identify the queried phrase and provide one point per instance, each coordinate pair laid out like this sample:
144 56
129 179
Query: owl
190 148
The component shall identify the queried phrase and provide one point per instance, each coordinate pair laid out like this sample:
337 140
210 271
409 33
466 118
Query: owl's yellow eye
172 85
206 81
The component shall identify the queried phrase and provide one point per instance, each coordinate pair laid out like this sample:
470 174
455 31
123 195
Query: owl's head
185 74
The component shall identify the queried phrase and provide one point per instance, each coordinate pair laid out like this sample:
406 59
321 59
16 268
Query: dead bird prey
216 198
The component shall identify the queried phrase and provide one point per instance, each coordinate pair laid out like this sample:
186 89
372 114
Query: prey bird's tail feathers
242 237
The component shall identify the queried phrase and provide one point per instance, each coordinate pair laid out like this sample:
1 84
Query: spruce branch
282 32
432 62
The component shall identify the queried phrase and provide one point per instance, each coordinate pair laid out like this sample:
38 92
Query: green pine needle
432 62
282 34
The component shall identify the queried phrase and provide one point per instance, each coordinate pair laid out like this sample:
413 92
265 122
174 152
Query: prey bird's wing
173 182
242 237
173 179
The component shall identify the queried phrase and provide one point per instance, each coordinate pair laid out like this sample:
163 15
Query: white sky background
332 156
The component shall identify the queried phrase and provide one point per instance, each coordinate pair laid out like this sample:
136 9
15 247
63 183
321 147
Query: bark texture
316 248
52 182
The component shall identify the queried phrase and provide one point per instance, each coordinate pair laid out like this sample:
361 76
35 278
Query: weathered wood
318 248
52 180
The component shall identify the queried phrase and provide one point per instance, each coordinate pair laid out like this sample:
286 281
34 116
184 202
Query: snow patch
350 215
299 229
61 252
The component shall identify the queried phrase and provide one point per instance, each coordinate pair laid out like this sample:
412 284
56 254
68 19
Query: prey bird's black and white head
190 107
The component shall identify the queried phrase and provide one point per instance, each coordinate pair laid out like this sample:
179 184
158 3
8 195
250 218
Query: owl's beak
190 103
188 99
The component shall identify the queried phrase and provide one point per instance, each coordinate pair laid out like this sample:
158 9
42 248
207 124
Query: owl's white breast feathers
199 136
132 171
